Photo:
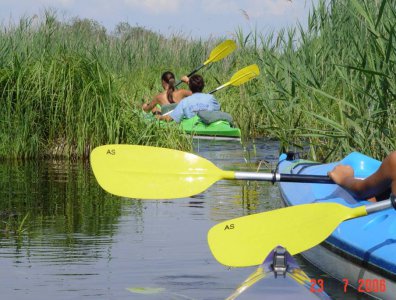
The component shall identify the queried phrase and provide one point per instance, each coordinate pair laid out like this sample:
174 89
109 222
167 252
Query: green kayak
220 129
208 125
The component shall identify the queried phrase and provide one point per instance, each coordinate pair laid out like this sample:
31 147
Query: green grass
68 86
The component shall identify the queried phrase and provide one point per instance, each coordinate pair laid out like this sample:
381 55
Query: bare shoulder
178 95
161 98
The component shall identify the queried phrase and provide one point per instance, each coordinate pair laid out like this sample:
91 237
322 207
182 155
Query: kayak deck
359 249
219 128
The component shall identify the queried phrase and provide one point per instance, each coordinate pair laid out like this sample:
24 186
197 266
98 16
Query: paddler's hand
185 79
341 174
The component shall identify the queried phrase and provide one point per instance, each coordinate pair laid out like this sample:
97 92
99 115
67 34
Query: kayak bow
360 251
279 277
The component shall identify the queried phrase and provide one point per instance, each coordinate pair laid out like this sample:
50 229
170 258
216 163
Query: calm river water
63 237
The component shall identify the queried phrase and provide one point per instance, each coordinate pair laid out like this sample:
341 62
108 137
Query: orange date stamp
364 285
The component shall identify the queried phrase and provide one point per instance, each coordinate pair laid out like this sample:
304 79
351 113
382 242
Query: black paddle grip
393 200
305 178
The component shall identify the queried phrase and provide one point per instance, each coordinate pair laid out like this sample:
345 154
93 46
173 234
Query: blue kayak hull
361 251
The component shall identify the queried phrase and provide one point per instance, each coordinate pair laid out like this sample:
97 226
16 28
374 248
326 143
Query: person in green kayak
190 106
168 96
378 186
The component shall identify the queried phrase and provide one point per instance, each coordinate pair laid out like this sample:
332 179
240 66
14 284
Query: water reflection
230 199
58 195
63 237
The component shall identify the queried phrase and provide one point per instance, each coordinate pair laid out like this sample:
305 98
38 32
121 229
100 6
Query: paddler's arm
377 183
167 118
148 106
182 92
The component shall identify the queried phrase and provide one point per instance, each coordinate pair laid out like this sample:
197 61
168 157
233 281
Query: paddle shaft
218 53
219 88
283 177
196 70
241 77
192 73
372 208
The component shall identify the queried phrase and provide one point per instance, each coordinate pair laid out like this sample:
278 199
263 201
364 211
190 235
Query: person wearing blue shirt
191 105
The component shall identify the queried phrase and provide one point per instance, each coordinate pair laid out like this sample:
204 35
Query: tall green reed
69 86
330 87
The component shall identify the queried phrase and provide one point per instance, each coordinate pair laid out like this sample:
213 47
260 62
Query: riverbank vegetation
68 86
331 86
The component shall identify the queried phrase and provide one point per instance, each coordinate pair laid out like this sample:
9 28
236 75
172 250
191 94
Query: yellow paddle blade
221 51
152 173
241 77
247 240
244 75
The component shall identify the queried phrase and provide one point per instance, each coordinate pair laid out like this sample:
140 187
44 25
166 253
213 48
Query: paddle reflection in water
63 237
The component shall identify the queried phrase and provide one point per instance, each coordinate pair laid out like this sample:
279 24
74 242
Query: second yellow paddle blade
152 173
245 75
246 241
221 51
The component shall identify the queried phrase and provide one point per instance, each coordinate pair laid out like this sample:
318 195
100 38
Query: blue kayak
361 252
279 277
